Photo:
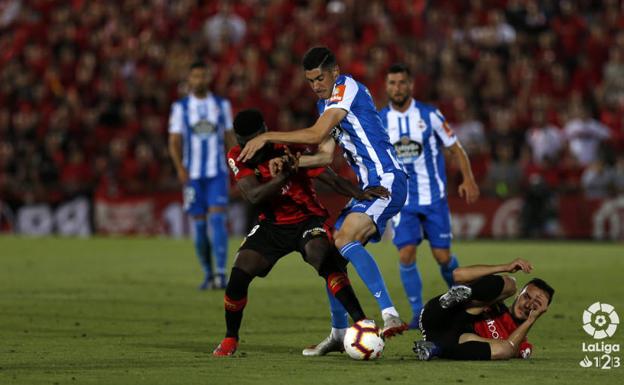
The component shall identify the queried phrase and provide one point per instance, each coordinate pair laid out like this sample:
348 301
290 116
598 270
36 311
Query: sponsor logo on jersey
338 93
204 127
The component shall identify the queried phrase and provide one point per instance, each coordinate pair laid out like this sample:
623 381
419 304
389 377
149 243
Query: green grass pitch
126 311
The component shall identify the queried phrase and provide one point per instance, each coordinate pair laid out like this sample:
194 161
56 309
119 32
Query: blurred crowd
533 89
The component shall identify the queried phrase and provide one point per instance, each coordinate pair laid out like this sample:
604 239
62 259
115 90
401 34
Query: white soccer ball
363 341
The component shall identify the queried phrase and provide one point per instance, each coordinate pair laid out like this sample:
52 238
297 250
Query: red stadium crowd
534 89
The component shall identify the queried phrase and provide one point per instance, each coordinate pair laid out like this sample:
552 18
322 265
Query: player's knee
253 264
442 256
342 239
509 286
316 253
407 255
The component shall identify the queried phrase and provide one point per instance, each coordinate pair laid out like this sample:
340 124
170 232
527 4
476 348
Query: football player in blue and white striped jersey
199 127
420 133
348 117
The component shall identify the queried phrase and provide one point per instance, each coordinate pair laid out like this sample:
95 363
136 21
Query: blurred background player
471 321
199 128
348 116
419 132
291 219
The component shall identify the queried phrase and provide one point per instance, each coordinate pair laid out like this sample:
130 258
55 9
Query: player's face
530 298
322 82
199 80
399 88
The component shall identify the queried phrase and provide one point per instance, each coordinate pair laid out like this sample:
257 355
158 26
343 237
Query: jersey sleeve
227 115
175 119
343 94
525 350
239 169
442 129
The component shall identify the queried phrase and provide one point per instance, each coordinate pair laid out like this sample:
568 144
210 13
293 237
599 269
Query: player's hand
251 148
539 309
290 162
183 175
276 165
373 192
519 264
469 191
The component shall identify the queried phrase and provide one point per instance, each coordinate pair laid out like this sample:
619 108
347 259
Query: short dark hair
198 64
399 68
248 122
319 57
541 284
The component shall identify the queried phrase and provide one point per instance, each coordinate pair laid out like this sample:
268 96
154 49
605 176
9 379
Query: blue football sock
447 270
339 316
368 271
202 245
219 240
412 283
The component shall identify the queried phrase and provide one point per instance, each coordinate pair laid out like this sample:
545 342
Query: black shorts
274 241
445 326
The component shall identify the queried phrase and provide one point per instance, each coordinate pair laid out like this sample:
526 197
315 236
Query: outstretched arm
311 135
467 274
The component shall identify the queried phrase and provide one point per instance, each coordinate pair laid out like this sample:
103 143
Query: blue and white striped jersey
202 124
418 135
361 135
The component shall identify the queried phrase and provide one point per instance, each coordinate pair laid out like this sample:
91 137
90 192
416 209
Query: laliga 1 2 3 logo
600 321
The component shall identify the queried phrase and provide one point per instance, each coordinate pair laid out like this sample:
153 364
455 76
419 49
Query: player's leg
437 227
261 249
407 235
217 202
364 221
356 229
249 264
471 350
195 207
321 254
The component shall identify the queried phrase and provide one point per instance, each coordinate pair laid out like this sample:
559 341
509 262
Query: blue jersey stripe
203 158
435 189
187 129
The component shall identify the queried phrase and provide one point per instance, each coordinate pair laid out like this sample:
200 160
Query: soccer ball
363 341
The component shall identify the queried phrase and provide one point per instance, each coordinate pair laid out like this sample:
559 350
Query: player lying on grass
471 321
291 219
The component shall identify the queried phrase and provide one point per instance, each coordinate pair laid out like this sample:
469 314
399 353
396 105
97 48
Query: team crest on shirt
336 133
408 150
422 126
232 164
338 93
204 127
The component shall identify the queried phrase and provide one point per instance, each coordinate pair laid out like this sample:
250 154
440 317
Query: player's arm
230 140
256 192
311 135
323 156
175 141
467 274
345 187
468 189
509 348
